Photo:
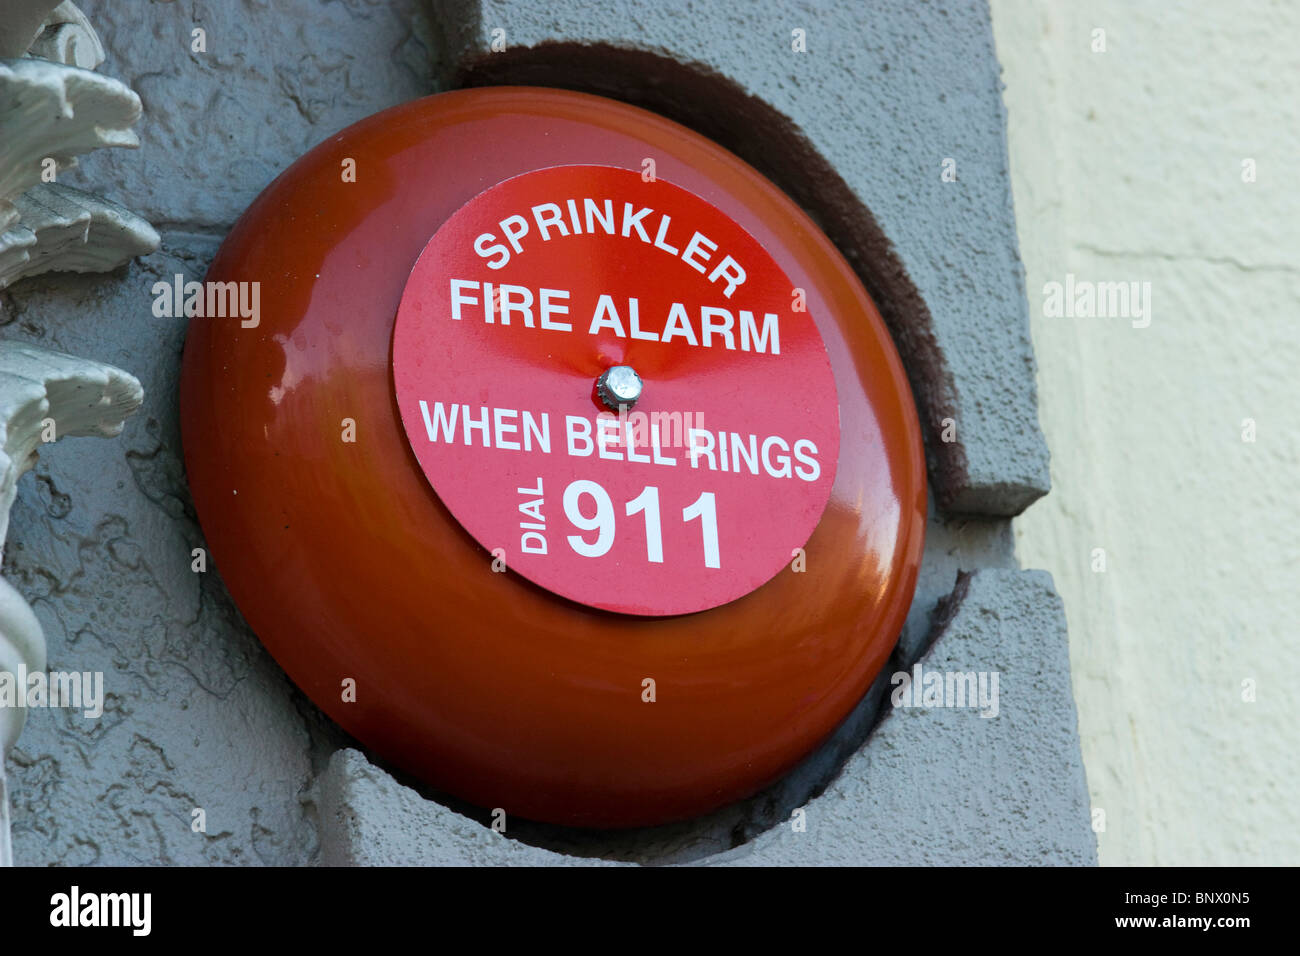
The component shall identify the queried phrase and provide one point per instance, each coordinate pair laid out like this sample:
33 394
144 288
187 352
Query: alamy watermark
220 300
1085 299
933 688
72 689
133 911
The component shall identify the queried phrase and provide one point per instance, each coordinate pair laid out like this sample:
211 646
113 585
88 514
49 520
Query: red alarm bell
568 465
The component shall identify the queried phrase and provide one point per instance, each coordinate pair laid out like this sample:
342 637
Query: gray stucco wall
856 129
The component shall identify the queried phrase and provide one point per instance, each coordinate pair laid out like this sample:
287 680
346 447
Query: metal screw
619 385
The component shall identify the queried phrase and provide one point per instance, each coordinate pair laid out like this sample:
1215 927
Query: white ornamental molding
22 651
67 37
50 29
53 108
44 396
62 229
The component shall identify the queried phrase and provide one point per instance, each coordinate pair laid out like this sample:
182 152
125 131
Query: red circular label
697 494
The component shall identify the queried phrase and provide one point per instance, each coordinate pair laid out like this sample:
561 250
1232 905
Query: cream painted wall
1127 164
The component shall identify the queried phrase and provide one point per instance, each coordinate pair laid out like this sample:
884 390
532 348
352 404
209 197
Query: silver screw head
619 385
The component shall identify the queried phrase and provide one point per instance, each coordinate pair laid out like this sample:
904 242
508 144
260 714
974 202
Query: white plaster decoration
52 109
57 111
44 396
52 113
22 649
62 229
68 37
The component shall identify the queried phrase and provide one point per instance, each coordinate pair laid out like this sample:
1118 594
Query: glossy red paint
348 566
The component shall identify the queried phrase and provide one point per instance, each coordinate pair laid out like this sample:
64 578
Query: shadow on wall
716 107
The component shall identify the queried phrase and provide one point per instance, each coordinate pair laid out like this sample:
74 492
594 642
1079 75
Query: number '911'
647 504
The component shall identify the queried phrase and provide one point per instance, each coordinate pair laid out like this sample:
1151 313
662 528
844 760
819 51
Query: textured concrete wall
1128 165
200 717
